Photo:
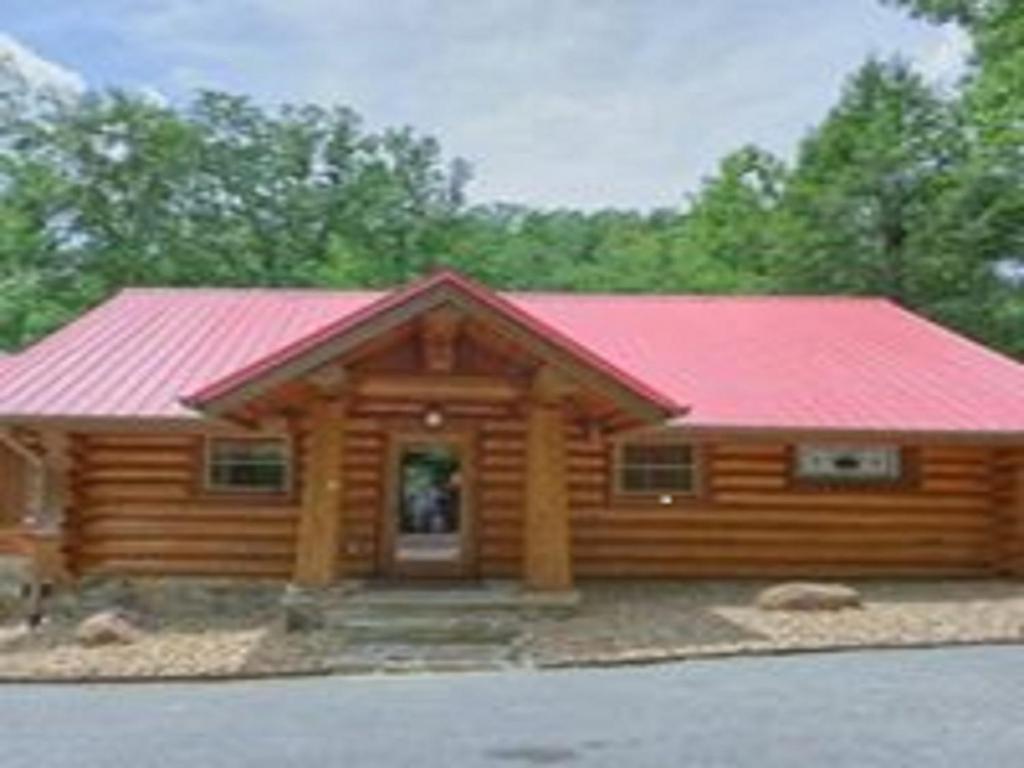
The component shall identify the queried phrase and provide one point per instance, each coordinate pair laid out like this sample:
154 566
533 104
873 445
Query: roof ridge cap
772 297
226 289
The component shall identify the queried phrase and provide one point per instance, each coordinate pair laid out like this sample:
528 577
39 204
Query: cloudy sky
587 103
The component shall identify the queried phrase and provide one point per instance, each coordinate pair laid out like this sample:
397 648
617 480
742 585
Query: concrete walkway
955 707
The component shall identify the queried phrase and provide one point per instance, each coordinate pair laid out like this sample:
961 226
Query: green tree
984 213
729 236
112 190
901 191
862 207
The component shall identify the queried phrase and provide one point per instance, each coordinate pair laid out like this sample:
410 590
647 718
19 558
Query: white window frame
892 460
212 486
620 466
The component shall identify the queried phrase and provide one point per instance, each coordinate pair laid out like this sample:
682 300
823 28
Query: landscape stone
110 627
808 596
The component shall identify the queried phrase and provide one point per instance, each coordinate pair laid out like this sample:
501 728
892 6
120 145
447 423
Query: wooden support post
319 534
547 557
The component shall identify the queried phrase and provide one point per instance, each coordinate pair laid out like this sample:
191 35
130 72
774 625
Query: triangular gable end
570 358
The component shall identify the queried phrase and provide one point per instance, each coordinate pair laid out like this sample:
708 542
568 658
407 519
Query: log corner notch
1015 560
1008 510
319 532
41 534
547 540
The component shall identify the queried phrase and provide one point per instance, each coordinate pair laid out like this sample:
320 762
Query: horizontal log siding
1008 501
13 498
501 496
365 458
750 520
137 507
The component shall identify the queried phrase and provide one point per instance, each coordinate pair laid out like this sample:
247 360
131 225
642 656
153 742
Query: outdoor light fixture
433 418
665 499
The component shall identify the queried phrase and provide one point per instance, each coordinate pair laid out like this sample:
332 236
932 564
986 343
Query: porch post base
549 598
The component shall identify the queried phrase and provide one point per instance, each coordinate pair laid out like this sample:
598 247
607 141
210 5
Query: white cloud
153 96
46 77
41 75
585 103
943 61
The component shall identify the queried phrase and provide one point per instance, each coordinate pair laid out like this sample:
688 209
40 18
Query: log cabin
445 430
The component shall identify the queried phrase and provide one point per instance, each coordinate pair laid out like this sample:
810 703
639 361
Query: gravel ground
209 628
636 621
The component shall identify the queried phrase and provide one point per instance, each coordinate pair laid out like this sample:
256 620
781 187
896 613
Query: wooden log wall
364 467
13 492
137 507
751 521
501 484
1008 502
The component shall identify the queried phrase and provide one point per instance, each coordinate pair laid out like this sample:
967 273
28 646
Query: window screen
656 468
258 465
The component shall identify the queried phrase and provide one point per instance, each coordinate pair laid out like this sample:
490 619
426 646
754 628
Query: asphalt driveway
955 707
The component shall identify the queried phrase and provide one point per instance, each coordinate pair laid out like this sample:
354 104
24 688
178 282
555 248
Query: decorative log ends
1007 500
319 532
1014 563
24 493
549 386
328 380
547 555
439 332
47 504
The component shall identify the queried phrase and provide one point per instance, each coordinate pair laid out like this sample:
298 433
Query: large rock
107 628
808 596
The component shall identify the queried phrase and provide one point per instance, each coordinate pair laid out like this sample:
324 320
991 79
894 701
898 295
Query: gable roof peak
442 286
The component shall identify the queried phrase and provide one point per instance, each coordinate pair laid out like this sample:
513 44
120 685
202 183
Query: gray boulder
112 627
808 596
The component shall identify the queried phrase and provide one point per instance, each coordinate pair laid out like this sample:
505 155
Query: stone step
466 599
370 627
403 657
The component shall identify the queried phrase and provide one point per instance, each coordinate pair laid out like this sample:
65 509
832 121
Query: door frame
464 565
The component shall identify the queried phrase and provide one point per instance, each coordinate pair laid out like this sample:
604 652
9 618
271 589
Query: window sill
810 485
654 500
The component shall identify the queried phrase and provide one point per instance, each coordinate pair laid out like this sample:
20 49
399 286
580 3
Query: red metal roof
793 363
447 283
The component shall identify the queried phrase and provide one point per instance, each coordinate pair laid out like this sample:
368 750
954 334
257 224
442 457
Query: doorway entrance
429 516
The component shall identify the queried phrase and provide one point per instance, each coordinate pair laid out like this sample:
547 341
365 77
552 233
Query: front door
428 530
